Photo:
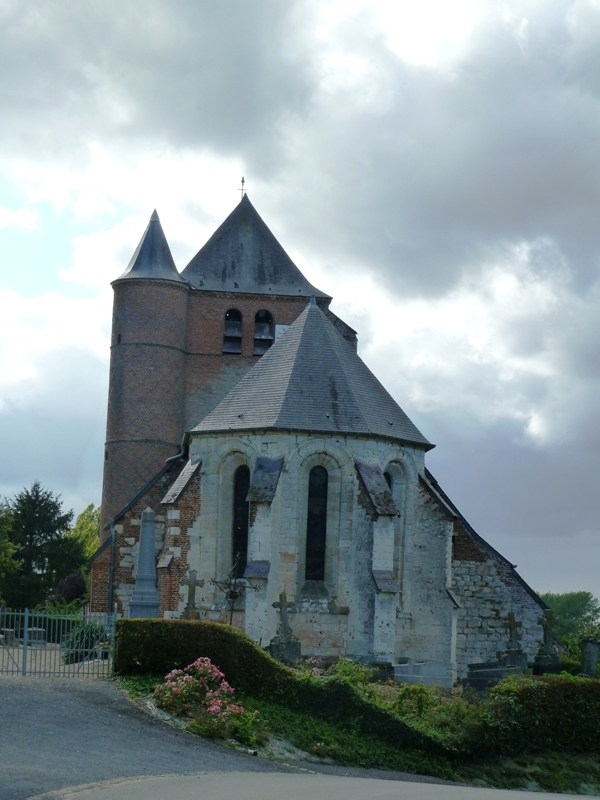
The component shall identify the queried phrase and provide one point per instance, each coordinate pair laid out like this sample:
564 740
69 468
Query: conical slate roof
311 379
243 256
152 258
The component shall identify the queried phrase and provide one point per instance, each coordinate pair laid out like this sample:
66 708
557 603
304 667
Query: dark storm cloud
423 174
457 165
196 74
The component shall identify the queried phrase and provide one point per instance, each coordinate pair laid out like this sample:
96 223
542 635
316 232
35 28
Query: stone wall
426 631
446 597
489 590
341 614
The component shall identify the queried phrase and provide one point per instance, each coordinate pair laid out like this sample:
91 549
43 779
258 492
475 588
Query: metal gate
44 644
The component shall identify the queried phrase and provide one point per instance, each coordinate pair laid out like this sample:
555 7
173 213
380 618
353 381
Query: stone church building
257 472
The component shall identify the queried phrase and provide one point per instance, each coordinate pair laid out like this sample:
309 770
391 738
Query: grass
551 772
425 709
343 743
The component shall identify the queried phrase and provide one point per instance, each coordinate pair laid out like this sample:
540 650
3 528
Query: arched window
239 534
264 332
316 524
232 333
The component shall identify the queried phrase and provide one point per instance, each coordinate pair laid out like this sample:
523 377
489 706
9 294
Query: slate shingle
243 256
152 257
312 380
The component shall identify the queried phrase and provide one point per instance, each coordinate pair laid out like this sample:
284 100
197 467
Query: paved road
58 733
242 786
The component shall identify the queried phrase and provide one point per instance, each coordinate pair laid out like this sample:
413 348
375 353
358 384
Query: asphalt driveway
57 732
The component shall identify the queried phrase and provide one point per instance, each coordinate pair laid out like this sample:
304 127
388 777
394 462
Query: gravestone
36 637
190 611
546 660
589 657
144 599
512 662
514 656
285 647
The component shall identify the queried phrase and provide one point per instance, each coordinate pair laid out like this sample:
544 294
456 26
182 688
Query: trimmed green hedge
520 715
539 714
158 646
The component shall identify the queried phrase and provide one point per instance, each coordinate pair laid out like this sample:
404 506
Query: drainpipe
113 558
182 453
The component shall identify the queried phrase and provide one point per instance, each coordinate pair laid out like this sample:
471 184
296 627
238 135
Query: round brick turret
147 371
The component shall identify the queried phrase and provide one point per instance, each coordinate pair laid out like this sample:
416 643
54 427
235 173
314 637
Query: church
257 472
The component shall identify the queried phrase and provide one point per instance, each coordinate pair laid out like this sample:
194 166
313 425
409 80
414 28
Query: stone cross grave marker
191 582
512 626
283 607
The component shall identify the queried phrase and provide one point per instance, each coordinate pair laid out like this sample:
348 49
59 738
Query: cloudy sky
434 166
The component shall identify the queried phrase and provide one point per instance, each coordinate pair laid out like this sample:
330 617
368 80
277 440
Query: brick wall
210 373
146 387
168 371
179 537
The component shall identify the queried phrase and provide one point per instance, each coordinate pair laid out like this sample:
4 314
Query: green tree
86 529
8 563
44 550
575 614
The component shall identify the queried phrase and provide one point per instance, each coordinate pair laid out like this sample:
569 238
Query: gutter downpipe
182 453
113 558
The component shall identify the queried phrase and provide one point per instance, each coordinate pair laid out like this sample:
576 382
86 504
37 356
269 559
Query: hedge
545 713
158 646
520 715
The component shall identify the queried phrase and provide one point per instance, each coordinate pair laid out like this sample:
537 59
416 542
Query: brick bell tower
180 342
147 367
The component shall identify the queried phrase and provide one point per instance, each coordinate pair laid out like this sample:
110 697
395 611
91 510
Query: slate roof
152 257
181 482
244 256
311 379
377 488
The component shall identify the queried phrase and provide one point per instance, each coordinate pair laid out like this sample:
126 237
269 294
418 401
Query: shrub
413 699
200 684
200 692
82 642
537 714
354 674
158 646
72 588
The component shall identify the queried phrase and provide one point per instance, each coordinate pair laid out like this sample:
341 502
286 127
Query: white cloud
33 329
22 218
433 166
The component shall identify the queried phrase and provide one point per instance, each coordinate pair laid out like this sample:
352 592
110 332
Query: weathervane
243 182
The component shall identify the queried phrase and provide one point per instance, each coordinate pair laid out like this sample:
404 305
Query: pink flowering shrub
200 692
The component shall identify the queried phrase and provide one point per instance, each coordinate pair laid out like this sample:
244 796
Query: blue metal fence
44 644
